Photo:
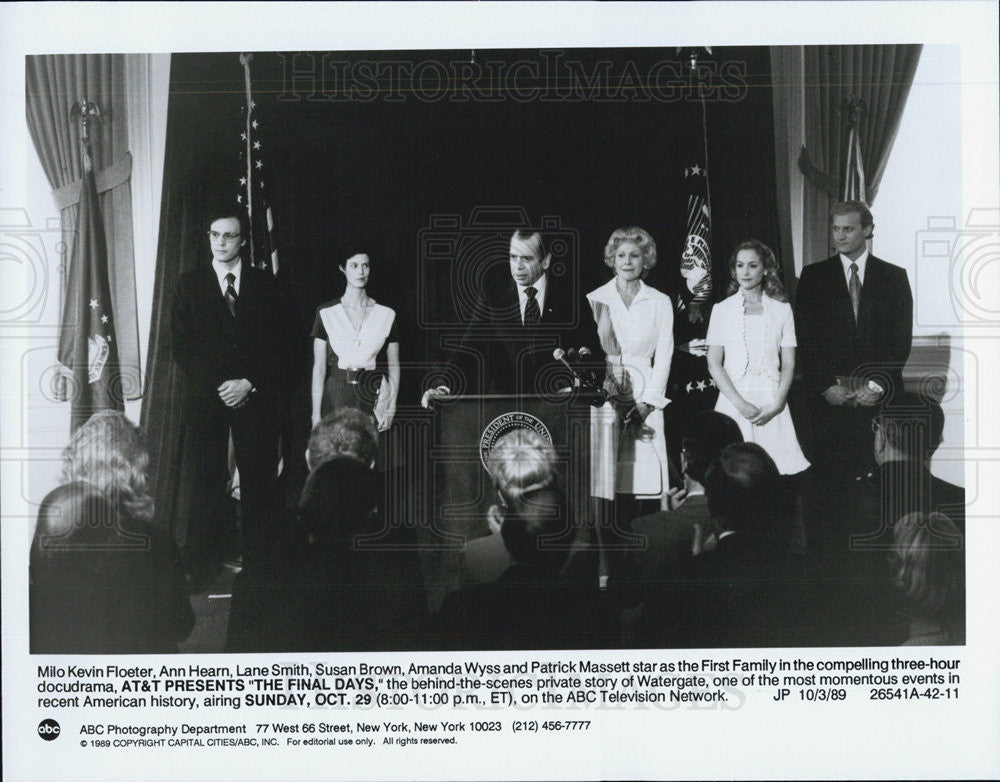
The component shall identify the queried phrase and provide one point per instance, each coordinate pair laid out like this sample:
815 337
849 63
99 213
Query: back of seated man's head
528 520
744 492
908 427
711 432
521 461
346 432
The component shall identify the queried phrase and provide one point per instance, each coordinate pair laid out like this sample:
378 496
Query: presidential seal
505 423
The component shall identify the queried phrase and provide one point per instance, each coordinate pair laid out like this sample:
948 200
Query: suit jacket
104 582
896 489
647 572
211 346
358 585
527 607
514 355
831 343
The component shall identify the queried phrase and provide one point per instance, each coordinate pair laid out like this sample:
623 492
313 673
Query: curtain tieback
828 183
106 179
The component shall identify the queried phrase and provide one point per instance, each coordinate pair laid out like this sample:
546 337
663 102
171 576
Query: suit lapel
841 296
511 305
210 291
248 291
869 292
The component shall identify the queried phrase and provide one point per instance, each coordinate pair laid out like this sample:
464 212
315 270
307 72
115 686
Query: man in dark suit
854 322
544 600
231 334
648 573
515 324
907 432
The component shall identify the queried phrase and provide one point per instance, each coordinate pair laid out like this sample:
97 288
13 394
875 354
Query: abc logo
48 730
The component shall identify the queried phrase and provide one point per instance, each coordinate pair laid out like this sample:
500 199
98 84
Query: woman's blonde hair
640 239
771 283
109 452
521 462
926 562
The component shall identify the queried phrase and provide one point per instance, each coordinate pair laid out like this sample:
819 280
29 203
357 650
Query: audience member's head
109 453
907 428
528 520
525 476
346 432
745 495
711 432
927 567
521 462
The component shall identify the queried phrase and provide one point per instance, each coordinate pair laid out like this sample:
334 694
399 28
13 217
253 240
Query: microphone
597 395
560 355
585 354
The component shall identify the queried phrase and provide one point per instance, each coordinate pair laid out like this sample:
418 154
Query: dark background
379 166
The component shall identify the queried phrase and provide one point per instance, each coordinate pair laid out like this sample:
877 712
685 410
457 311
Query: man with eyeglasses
231 333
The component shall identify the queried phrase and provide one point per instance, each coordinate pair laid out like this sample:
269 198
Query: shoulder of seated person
66 504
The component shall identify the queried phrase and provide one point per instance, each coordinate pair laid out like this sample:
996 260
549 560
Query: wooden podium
460 490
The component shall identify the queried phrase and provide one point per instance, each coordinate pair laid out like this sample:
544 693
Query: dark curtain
881 76
406 175
53 84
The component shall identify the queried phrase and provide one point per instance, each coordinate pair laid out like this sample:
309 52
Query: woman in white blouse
635 326
355 350
751 355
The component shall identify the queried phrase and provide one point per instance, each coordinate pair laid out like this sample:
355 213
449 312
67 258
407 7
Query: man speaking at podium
515 327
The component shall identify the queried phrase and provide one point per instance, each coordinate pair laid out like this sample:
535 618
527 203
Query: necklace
365 306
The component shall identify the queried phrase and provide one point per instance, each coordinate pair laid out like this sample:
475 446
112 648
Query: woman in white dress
355 350
635 327
751 355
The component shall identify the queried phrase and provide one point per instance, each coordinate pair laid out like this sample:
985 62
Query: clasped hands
235 393
839 396
759 416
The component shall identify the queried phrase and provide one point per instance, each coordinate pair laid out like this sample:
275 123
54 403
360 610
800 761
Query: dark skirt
339 392
358 389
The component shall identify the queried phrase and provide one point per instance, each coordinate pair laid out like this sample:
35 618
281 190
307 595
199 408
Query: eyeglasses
227 238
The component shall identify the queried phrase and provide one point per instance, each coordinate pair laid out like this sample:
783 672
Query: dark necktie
532 314
231 296
854 288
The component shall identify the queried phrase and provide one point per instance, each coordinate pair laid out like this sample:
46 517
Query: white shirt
726 329
221 271
862 261
539 285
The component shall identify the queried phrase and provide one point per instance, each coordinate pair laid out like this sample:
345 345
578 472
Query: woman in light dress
635 327
355 350
751 355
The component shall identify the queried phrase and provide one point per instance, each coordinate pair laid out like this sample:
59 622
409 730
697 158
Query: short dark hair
912 424
854 208
531 517
711 432
527 234
744 492
221 211
346 432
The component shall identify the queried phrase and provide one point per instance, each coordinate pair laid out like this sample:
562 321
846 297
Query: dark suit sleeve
814 355
199 359
900 337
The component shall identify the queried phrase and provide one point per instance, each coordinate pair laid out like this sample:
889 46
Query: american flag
251 193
